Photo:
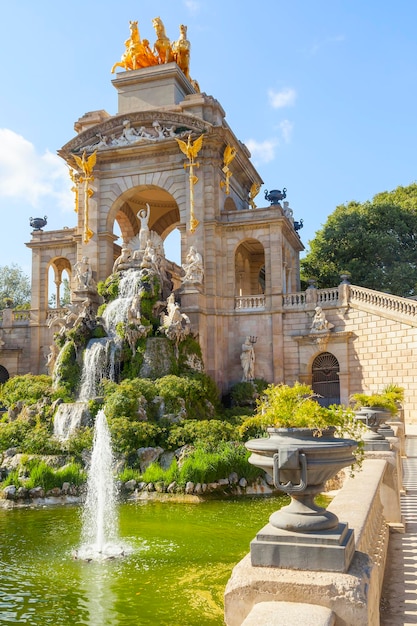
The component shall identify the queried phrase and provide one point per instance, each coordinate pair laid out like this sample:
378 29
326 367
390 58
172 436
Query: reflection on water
98 602
182 556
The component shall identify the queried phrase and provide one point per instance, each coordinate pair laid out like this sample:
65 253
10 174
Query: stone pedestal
329 550
352 596
151 87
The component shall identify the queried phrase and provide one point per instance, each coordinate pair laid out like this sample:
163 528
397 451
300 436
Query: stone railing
21 315
249 302
255 595
328 297
14 317
395 306
53 314
295 300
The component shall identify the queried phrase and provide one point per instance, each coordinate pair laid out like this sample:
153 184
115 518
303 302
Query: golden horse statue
181 51
162 46
137 53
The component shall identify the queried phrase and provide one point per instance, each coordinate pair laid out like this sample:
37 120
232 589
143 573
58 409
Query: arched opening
325 379
250 268
4 374
164 218
58 282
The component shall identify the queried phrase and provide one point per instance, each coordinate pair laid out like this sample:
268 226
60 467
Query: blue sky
323 93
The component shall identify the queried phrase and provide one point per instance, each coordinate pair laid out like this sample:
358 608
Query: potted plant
301 452
374 409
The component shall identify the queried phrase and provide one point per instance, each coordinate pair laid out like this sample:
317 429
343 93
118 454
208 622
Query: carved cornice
183 122
328 337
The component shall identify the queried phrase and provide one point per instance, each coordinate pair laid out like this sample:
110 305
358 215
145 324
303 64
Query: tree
375 242
14 287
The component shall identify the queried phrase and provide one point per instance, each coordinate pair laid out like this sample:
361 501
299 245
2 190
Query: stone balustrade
273 596
401 309
250 302
14 317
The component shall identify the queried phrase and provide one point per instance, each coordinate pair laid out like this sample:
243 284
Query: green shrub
247 393
154 473
198 392
27 389
129 473
72 473
13 434
109 289
195 431
12 479
67 370
79 441
128 436
204 466
124 400
39 440
41 475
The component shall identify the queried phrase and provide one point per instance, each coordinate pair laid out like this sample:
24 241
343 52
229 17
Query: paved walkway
399 593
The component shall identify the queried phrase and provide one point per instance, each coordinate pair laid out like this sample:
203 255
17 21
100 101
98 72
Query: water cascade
100 355
100 518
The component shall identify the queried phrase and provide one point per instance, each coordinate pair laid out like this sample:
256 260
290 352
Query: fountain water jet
100 518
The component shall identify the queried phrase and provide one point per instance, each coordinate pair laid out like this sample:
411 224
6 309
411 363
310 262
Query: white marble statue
124 260
143 216
175 324
319 323
247 360
84 274
193 267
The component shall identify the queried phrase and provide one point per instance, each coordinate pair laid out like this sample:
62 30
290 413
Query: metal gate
4 374
325 377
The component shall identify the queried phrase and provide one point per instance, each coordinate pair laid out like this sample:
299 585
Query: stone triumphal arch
168 160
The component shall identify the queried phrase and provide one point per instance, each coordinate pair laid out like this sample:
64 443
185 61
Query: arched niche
229 204
249 268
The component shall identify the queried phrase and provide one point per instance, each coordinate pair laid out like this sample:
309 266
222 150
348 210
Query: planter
374 418
300 464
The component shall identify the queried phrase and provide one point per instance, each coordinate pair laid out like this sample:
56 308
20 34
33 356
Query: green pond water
181 558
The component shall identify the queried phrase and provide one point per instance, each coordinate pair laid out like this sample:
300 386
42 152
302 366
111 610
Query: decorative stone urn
275 195
302 535
374 419
300 463
38 223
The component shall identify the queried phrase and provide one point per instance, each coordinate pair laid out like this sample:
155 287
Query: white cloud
30 177
284 98
192 5
262 151
318 45
286 128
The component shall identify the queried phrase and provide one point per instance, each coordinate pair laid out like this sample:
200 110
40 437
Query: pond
180 559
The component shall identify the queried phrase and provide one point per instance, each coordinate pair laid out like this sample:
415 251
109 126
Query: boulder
9 492
148 456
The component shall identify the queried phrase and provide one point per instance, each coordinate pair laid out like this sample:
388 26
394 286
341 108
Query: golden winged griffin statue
191 149
86 165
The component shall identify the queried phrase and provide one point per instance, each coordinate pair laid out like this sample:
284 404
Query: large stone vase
300 463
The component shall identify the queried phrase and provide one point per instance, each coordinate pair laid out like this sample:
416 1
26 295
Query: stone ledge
285 613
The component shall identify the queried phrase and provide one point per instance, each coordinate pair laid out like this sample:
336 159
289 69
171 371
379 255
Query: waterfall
100 356
117 310
69 417
99 516
98 362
